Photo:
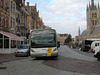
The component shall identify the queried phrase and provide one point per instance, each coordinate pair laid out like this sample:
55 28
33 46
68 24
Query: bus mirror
58 44
96 44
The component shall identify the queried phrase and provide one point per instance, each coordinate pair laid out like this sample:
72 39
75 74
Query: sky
65 16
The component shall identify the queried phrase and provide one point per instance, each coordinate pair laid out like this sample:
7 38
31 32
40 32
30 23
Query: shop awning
12 36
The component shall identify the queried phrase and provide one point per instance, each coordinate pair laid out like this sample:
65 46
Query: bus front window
43 40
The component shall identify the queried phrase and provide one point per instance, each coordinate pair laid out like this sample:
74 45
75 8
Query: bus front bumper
44 55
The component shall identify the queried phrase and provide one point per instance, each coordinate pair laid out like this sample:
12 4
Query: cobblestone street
70 62
9 57
75 65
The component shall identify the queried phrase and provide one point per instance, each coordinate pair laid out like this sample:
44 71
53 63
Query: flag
7 8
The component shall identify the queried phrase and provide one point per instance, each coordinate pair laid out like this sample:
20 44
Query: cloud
66 16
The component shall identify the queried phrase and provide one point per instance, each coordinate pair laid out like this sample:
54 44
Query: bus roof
43 31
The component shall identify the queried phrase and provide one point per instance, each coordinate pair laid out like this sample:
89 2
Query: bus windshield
43 40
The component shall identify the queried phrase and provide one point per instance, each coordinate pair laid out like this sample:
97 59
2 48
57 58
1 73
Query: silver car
24 50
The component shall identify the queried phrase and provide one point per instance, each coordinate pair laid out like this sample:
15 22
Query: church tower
79 32
92 14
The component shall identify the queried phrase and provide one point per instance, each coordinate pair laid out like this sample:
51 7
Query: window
1 1
0 20
1 43
13 44
7 23
5 3
11 22
92 22
94 15
6 43
1 36
4 22
95 22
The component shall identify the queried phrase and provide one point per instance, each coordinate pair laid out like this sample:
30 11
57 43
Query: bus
43 43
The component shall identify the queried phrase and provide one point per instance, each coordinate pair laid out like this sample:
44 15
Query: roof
63 35
96 29
84 33
28 9
32 9
12 36
18 1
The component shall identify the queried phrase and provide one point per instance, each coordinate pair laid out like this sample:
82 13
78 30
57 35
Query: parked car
24 50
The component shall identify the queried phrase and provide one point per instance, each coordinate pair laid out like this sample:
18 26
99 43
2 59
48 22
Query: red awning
12 36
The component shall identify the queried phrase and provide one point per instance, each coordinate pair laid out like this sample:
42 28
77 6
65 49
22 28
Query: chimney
27 4
24 2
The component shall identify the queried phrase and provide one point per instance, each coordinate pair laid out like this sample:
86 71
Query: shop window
6 43
1 43
6 37
1 36
13 44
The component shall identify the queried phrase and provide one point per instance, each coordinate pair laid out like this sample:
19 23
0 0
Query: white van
97 52
94 44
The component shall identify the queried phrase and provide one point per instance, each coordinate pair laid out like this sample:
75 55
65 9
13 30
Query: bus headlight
55 49
32 50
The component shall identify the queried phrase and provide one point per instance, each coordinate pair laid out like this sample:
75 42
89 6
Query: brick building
61 38
4 15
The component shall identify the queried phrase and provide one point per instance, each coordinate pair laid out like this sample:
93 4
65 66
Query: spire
89 4
98 4
79 31
87 7
92 2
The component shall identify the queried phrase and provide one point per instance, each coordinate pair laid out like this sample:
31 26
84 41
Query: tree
68 39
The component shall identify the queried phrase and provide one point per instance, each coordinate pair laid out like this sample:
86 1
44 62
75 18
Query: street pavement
75 53
69 62
9 57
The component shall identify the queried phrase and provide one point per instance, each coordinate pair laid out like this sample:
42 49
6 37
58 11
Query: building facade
4 15
31 20
12 16
34 21
93 22
21 18
61 38
76 39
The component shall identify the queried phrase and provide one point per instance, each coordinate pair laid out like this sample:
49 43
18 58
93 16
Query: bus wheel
56 57
98 58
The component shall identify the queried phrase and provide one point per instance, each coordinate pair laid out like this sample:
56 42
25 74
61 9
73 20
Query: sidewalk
9 57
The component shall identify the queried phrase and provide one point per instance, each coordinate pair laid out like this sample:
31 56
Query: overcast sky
66 16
